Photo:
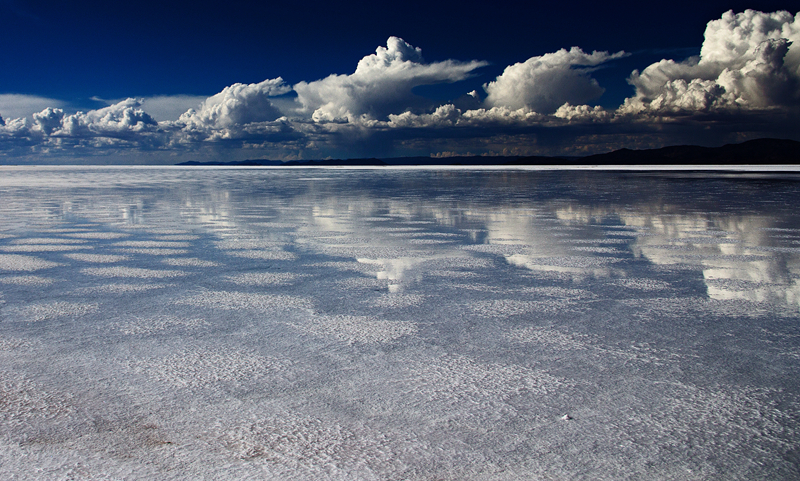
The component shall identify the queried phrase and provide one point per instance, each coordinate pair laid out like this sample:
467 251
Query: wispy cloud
15 106
170 107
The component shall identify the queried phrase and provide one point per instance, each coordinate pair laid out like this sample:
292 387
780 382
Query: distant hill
240 163
292 163
335 162
760 151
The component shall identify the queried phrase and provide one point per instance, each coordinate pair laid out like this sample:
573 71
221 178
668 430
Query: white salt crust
265 278
53 310
358 329
98 235
134 272
44 248
98 258
156 324
231 300
27 280
189 262
16 262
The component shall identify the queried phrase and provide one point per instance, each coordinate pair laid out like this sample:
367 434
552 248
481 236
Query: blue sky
113 82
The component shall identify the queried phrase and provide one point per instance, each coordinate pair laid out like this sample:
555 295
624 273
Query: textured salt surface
358 329
239 300
27 280
189 262
98 235
47 240
270 255
154 324
398 324
154 252
98 258
130 272
52 310
265 278
15 262
119 288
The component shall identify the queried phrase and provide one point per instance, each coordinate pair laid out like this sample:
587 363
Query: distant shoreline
759 152
688 169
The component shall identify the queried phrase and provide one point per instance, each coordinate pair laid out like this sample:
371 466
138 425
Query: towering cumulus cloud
545 83
225 114
749 60
381 85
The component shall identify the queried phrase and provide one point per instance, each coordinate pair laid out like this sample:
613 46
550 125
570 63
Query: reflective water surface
190 323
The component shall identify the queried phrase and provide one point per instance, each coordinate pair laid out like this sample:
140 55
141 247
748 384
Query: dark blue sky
141 48
74 52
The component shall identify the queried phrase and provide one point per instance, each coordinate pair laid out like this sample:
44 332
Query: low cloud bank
749 64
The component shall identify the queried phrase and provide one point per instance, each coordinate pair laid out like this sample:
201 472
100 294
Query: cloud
48 120
748 61
445 115
170 107
239 104
53 131
53 128
381 85
733 39
14 106
227 114
449 116
545 83
14 133
745 83
583 113
124 119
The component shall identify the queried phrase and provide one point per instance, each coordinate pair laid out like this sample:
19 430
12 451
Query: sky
165 82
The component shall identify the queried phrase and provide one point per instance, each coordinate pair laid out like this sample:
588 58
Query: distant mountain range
759 151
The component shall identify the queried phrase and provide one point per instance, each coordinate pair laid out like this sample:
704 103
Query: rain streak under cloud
744 84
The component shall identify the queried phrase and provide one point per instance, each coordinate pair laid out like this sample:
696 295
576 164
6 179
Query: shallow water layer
194 323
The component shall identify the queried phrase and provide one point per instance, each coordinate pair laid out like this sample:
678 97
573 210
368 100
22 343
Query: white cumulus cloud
227 114
381 85
122 119
48 120
449 116
583 113
749 60
444 116
545 83
53 130
12 129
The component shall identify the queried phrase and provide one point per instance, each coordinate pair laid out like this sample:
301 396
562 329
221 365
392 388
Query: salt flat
464 324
